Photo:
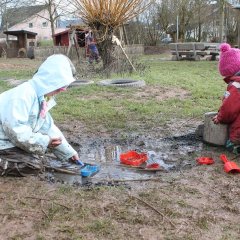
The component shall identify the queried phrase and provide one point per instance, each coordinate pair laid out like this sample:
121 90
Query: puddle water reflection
173 154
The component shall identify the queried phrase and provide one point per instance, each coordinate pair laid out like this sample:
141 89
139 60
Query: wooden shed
63 38
23 45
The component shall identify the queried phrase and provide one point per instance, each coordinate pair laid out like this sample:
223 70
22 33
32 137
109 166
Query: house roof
19 32
67 22
12 16
61 33
69 30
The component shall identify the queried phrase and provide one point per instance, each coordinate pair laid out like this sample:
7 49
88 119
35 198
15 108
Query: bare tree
182 17
105 16
13 5
166 15
175 15
151 27
55 10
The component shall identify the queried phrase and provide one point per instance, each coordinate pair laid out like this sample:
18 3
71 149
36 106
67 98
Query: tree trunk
105 47
221 20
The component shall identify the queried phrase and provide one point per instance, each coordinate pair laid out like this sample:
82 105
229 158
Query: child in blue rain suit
27 129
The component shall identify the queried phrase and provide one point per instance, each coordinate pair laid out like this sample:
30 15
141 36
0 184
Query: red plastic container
133 158
205 160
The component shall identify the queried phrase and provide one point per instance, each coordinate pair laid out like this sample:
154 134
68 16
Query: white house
31 18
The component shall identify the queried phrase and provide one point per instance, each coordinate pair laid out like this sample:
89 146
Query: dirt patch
195 202
161 93
158 93
4 66
13 64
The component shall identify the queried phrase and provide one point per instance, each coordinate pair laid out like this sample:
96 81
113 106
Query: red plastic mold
205 160
133 158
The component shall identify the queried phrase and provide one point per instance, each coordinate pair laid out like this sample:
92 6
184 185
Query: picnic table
194 50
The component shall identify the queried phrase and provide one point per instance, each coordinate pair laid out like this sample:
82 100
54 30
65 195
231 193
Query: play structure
20 43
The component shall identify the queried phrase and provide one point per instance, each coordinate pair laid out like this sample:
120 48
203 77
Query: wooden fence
43 52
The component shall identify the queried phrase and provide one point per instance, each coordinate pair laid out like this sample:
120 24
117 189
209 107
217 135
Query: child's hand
54 142
215 119
75 159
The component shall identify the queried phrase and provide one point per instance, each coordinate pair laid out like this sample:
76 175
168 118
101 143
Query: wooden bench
194 50
212 50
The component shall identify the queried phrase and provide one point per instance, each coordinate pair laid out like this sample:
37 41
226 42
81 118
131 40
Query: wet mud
175 153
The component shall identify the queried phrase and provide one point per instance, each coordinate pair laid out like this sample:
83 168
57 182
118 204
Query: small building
63 38
22 45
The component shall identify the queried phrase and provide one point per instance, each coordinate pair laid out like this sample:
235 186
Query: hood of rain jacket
20 121
56 72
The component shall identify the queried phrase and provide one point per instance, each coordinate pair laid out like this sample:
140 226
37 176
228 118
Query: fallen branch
44 212
140 168
152 207
60 170
130 180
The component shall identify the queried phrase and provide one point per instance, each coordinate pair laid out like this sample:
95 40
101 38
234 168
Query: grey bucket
216 134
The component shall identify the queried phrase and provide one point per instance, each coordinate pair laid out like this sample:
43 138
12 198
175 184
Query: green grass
14 68
16 74
116 108
112 108
45 43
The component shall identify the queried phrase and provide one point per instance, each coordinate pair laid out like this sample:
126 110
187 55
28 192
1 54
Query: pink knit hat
229 62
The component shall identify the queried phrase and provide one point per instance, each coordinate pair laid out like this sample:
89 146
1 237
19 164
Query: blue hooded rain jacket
20 123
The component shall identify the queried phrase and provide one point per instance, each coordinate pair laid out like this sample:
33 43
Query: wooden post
76 47
71 41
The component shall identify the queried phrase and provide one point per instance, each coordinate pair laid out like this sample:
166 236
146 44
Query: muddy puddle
176 153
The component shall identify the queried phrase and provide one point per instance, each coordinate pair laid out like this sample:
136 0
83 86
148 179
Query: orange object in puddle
229 167
133 158
205 160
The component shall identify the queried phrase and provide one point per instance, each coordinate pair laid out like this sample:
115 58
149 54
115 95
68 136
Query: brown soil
156 92
14 64
194 203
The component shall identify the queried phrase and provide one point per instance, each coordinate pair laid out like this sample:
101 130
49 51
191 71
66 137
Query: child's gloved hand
75 159
215 119
79 162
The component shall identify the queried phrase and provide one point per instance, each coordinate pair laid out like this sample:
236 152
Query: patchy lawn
190 202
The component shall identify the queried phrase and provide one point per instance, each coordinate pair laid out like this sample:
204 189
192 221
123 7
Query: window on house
44 24
30 25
